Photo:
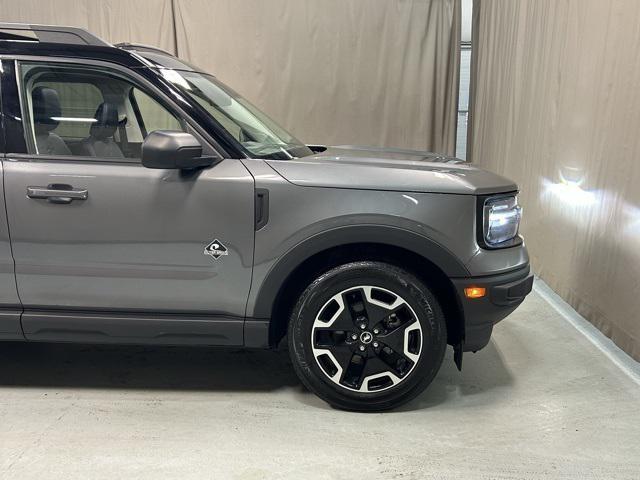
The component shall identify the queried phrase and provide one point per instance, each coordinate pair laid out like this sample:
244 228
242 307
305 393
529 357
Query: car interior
91 114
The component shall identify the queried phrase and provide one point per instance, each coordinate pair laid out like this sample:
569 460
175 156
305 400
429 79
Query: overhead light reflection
175 77
569 193
409 197
74 119
569 190
632 217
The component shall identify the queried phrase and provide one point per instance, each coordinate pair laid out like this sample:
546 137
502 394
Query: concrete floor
539 402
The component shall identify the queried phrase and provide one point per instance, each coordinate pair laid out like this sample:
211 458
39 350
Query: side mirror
173 149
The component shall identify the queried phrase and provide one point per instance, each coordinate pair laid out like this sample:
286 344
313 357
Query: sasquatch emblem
366 337
216 249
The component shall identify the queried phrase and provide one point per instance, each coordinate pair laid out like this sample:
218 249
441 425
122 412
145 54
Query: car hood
371 168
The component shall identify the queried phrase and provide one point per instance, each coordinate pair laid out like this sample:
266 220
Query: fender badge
216 249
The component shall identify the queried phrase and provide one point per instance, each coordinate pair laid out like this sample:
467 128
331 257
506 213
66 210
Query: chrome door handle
58 193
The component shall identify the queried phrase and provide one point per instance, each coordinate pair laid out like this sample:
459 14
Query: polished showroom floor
541 401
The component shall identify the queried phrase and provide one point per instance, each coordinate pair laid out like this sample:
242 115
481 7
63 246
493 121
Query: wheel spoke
393 339
328 337
400 342
375 366
342 354
396 361
345 321
353 373
356 305
380 304
366 339
377 374
333 360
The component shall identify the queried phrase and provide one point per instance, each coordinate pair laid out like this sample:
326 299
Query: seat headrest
106 121
46 105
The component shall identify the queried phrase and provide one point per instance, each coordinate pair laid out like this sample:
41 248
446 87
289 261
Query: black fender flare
414 242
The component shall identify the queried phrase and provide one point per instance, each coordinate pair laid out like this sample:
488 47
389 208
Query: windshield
256 132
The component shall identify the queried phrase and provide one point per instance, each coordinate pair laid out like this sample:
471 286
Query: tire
357 319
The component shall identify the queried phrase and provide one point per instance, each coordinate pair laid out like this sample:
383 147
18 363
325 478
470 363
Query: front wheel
367 336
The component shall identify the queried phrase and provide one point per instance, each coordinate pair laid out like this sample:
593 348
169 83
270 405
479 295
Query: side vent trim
262 208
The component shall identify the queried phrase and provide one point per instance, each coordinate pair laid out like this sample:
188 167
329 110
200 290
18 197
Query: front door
120 254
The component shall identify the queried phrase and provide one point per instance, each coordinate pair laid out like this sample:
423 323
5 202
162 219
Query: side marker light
475 292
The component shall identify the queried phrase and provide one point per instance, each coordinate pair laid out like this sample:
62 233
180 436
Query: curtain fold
380 72
135 21
377 72
555 106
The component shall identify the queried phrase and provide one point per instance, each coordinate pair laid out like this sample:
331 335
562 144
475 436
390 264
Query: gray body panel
391 169
10 307
136 244
137 327
299 214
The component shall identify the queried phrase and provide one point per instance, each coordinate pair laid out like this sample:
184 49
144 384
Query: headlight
501 220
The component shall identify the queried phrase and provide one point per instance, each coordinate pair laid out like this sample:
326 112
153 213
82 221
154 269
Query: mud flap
457 354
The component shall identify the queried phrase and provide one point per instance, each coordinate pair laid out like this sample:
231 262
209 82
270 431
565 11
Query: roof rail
23 32
140 46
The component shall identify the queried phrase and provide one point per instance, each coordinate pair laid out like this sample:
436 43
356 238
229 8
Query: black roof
54 40
22 32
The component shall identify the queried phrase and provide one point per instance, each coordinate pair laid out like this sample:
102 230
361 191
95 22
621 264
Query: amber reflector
475 292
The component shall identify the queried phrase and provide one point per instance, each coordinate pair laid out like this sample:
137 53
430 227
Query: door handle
60 193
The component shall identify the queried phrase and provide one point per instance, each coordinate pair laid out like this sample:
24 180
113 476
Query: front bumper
504 293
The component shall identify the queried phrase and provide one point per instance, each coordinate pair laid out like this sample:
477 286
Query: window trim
193 127
136 112
75 158
3 143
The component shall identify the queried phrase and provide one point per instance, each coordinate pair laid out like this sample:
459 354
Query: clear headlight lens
501 219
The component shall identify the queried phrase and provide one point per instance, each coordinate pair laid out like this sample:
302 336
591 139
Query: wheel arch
431 262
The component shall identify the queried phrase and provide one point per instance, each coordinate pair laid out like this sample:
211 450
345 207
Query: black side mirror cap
169 149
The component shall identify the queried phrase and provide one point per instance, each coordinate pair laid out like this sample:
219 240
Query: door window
87 111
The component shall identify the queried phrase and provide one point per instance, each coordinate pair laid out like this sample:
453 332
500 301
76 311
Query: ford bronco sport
147 203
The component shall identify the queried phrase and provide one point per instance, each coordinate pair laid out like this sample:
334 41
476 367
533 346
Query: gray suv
144 202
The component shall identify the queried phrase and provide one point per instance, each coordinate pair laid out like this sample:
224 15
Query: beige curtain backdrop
375 72
556 106
369 72
137 21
